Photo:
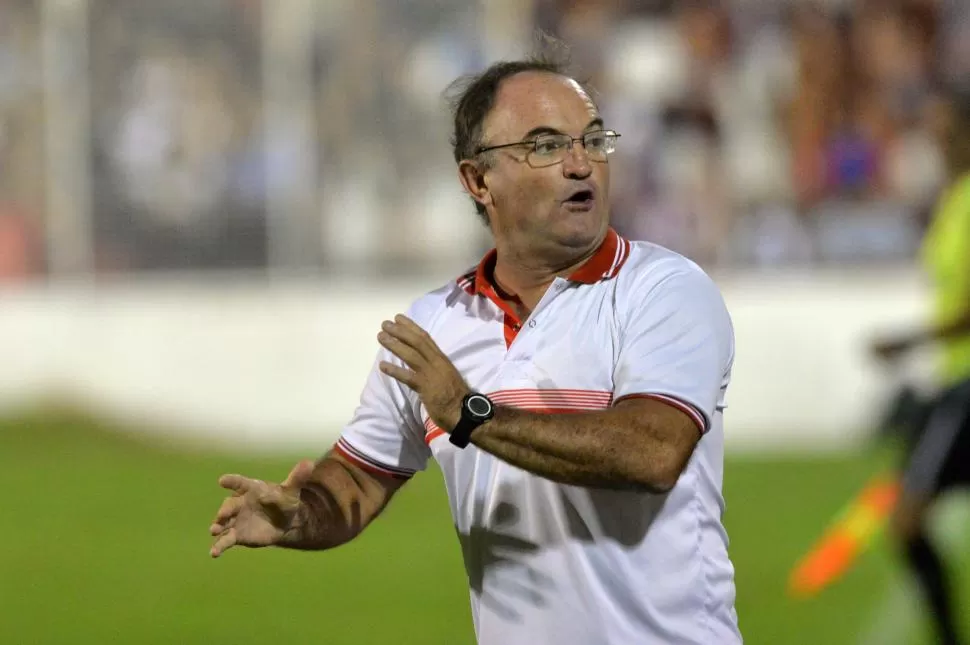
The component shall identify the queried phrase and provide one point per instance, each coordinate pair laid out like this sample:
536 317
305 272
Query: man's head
535 189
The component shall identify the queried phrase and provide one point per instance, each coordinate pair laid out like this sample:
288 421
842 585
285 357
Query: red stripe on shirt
683 406
541 402
369 465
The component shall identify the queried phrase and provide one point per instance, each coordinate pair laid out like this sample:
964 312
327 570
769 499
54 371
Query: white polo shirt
554 564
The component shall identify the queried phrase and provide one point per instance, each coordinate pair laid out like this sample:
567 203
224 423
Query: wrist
454 418
476 410
450 419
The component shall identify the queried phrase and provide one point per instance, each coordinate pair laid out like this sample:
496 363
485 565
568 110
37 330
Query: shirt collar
604 264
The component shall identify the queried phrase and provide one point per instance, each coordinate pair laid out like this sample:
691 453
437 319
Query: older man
570 387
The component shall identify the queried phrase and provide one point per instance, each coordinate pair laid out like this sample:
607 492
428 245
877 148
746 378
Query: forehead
539 99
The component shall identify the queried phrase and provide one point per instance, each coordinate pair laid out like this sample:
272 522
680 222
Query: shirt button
516 327
532 323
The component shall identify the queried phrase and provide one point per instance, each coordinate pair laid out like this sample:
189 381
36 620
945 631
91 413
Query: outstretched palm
258 513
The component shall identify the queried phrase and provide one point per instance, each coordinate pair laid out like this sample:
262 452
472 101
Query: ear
472 178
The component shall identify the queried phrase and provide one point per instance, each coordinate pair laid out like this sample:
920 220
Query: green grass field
104 540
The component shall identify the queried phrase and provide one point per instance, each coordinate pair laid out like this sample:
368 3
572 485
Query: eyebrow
545 129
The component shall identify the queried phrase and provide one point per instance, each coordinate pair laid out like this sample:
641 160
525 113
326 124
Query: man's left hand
432 375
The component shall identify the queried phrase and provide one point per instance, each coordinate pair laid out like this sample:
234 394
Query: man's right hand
258 513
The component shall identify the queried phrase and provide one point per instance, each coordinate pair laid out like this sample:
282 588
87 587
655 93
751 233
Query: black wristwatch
476 409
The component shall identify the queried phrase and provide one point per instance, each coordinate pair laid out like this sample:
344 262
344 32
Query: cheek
601 172
520 194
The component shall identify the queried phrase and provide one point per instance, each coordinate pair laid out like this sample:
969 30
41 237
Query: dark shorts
939 455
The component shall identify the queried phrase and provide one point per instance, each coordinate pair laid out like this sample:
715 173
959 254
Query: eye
596 141
548 145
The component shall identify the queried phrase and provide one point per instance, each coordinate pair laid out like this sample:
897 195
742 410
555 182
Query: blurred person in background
586 486
938 450
22 162
179 162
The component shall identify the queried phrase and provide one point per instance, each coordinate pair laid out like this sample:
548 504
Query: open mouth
581 198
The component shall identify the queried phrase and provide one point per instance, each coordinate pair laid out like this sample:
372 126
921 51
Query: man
938 457
570 388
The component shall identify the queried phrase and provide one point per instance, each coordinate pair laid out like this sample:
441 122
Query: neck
526 276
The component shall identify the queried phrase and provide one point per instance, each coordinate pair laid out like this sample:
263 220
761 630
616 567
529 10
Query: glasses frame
534 142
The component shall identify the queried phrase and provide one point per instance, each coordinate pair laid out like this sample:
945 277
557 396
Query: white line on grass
897 612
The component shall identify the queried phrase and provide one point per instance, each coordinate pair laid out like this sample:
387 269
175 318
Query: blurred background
232 134
208 206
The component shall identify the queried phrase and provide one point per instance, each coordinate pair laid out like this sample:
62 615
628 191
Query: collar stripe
604 264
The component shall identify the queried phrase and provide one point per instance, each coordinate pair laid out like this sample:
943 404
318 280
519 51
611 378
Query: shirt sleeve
383 436
676 345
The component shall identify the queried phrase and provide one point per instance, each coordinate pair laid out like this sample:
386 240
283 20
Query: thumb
300 475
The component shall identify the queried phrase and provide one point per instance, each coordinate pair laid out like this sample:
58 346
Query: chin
581 232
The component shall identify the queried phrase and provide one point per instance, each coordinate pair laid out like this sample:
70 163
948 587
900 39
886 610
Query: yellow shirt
945 255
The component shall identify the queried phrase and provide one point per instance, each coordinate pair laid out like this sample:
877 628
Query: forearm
609 449
553 468
336 506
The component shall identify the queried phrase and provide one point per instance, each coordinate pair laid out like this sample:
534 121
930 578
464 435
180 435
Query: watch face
479 406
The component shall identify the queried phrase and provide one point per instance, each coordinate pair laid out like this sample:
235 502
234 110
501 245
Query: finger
424 342
301 474
406 329
237 483
400 374
403 320
409 333
230 507
218 529
399 348
225 542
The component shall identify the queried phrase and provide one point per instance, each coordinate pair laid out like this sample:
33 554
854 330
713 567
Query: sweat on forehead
538 99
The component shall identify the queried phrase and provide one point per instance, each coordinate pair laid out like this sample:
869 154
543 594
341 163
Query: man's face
561 205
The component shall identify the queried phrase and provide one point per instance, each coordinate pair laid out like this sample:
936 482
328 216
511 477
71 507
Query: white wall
261 366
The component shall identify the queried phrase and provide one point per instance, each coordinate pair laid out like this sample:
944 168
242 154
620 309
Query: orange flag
846 538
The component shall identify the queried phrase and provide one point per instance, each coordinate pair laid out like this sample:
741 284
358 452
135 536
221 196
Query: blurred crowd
754 132
771 132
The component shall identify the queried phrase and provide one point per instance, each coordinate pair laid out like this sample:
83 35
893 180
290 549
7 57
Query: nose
576 165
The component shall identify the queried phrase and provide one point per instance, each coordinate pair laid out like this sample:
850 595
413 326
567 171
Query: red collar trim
605 264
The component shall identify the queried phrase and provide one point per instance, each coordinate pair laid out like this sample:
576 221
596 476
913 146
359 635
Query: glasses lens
549 149
600 144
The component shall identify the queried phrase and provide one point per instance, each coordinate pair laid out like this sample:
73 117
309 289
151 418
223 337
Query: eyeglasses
551 149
